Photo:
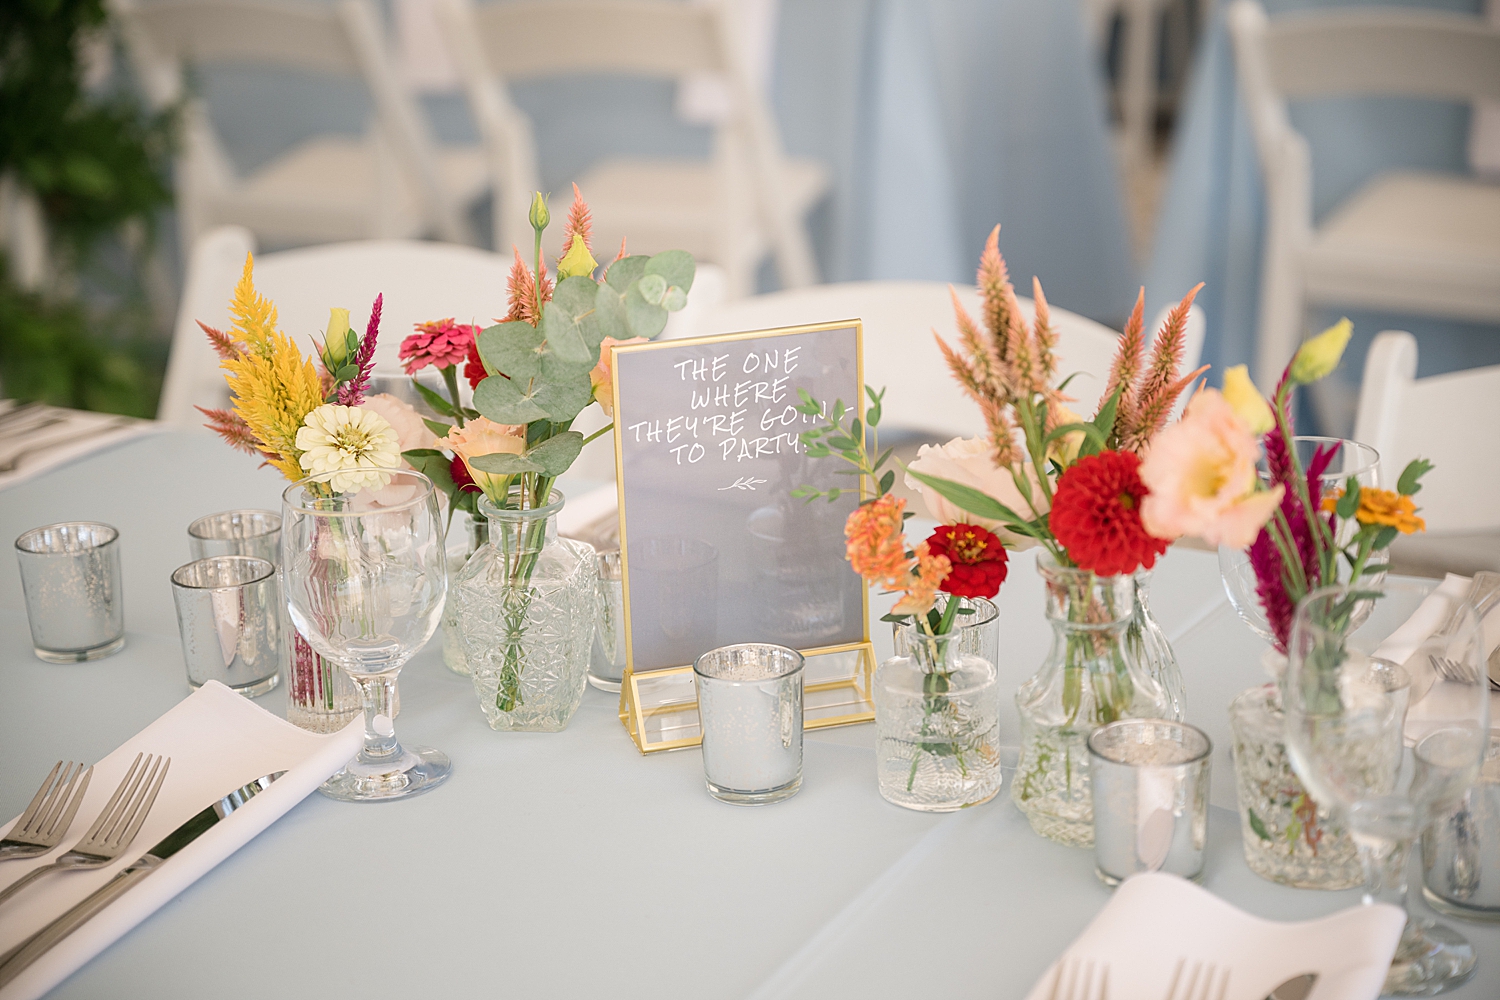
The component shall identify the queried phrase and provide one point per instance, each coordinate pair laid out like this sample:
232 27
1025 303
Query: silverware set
23 432
47 819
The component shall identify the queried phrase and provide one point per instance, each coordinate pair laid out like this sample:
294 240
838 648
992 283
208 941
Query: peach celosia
875 543
1202 477
922 581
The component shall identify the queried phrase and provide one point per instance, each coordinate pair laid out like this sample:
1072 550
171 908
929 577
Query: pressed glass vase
466 535
1150 646
937 716
525 605
1092 676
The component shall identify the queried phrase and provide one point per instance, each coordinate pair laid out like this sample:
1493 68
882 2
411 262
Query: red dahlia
461 478
1096 515
978 558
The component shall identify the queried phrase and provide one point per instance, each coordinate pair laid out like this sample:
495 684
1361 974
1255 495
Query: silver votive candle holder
1461 849
1149 779
70 575
237 533
229 616
750 709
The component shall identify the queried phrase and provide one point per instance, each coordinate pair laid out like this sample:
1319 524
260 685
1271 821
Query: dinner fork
116 826
1080 979
47 819
1198 981
1458 673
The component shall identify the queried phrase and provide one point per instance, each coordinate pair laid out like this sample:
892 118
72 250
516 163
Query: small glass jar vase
1288 838
937 716
320 696
467 534
1092 676
525 605
1150 646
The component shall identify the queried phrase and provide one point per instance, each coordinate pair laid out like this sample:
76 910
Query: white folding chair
1410 242
1449 420
746 202
390 182
421 281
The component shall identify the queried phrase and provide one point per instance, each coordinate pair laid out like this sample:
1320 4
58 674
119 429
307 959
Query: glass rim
555 501
797 660
270 572
1368 451
1118 724
291 498
963 621
24 538
193 528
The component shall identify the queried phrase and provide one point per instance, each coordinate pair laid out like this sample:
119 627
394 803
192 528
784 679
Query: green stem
450 379
600 432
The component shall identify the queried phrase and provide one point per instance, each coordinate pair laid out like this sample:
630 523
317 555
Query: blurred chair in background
749 201
1449 420
391 182
1414 242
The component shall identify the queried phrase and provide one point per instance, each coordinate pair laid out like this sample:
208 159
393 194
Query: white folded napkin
74 433
1154 921
1407 646
218 742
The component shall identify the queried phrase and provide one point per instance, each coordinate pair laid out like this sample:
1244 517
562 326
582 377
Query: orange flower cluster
923 582
1384 507
876 546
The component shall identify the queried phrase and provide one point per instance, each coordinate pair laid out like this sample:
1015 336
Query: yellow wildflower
1384 507
1320 356
1246 401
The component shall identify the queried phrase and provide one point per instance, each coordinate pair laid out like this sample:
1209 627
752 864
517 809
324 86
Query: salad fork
1080 979
116 826
1200 981
46 820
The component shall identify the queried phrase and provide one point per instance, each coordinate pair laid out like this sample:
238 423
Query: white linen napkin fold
218 742
1155 920
74 434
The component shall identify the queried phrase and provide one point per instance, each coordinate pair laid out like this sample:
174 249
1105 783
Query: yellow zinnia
1384 507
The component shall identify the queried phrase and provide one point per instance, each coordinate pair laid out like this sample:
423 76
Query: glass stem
378 692
1384 860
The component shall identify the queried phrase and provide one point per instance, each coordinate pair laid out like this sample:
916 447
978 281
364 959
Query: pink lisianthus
600 376
440 343
1202 477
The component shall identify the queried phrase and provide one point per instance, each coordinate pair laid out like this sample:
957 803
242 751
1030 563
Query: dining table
568 864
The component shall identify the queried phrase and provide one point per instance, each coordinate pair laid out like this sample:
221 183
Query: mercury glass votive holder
1150 787
70 575
237 533
229 615
750 708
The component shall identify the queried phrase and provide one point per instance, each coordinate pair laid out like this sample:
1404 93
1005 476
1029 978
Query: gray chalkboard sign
715 549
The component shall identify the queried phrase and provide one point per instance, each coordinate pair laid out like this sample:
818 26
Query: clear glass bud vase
525 605
937 716
1092 676
466 536
1150 646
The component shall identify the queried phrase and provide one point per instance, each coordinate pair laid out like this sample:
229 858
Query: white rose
968 461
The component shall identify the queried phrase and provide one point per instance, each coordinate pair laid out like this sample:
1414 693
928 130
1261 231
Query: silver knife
19 958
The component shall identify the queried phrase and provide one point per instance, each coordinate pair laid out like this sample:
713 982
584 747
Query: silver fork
1199 981
1080 979
116 826
1458 673
47 819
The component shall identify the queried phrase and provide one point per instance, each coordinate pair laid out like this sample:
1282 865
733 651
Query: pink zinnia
441 344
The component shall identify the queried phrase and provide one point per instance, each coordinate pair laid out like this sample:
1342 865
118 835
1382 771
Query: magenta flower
441 343
352 393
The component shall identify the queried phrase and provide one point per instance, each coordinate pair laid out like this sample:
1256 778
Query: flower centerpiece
302 419
525 602
1330 523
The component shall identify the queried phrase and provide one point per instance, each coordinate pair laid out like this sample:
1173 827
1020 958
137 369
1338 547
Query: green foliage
858 443
1409 483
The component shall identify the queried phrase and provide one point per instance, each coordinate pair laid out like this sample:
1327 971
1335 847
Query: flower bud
1320 356
538 215
336 342
1246 401
577 262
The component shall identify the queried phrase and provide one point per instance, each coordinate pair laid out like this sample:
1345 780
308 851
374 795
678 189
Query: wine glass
1350 459
365 576
1350 718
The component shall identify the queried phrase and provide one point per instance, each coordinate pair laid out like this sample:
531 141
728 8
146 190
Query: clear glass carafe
1091 676
937 718
525 605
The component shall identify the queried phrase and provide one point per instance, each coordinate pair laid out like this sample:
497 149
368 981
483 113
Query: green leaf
1104 423
346 373
514 349
503 463
557 453
1408 484
675 266
896 619
1090 432
1257 826
641 317
970 499
433 400
877 402
1385 538
575 296
564 340
883 458
841 442
839 409
624 273
887 481
1348 504
675 299
434 465
352 342
504 401
608 317
653 288
438 428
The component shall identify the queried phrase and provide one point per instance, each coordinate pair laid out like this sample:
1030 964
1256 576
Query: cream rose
968 461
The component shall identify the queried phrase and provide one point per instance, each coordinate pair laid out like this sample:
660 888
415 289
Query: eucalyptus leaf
513 349
564 398
674 300
652 288
502 463
642 318
557 453
564 339
608 317
624 273
676 266
575 296
504 401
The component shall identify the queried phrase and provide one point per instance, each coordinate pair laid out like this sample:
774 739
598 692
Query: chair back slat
305 37
1386 52
656 39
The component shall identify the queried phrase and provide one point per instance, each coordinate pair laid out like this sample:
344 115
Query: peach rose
600 376
968 461
1202 478
410 429
482 436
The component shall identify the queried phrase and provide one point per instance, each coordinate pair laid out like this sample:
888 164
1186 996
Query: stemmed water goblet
1351 717
365 576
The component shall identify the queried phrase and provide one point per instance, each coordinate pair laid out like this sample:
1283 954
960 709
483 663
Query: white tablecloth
566 865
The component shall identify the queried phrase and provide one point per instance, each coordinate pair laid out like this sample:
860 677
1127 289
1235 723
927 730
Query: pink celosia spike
225 346
579 223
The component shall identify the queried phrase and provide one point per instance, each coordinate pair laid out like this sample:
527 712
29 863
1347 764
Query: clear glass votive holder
237 533
750 708
70 574
1150 788
1461 849
607 661
229 616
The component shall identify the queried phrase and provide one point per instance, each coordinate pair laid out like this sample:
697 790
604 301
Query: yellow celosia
274 386
1246 401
